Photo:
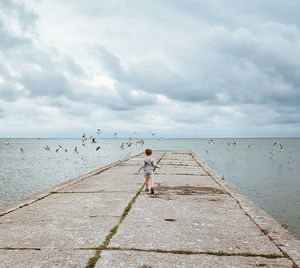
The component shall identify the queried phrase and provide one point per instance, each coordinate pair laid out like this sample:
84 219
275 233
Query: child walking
148 167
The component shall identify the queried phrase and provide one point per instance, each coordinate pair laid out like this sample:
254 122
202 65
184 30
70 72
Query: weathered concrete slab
211 222
65 205
125 170
112 258
178 163
179 157
63 221
44 258
181 180
68 233
132 162
183 170
105 182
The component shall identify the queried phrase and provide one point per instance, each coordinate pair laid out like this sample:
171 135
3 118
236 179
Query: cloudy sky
212 68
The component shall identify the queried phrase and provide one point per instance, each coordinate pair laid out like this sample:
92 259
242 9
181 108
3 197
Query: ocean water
261 170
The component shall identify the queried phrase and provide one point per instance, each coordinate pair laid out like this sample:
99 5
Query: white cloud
182 68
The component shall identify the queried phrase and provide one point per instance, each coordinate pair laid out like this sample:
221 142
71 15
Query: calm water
261 171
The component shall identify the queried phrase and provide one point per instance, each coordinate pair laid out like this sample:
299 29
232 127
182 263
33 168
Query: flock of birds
134 142
230 146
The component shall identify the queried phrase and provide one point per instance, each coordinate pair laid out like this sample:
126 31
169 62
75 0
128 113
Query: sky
181 69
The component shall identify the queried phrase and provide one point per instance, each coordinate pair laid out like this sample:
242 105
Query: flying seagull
47 148
210 141
281 148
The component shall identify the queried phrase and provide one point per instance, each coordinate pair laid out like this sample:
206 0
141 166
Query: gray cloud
9 41
189 64
245 67
45 83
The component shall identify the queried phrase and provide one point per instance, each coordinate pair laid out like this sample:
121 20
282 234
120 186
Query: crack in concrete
92 261
188 252
9 248
90 192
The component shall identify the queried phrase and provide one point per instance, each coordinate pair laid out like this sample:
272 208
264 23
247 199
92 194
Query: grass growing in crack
127 209
92 261
188 252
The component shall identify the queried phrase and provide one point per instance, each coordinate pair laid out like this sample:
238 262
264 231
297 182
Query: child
148 166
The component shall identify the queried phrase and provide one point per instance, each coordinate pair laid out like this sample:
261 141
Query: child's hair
148 152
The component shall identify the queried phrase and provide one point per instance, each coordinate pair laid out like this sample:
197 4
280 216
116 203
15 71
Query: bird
284 226
275 143
115 135
47 148
76 150
229 146
249 146
281 148
153 134
98 148
22 150
210 141
84 138
7 143
93 140
57 150
129 144
60 146
122 146
66 150
99 131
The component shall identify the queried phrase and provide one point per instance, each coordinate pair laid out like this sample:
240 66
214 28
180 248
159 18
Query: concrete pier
105 219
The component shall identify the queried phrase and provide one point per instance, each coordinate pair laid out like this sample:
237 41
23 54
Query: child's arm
155 165
142 166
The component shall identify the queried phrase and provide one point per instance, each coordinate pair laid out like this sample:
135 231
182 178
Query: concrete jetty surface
106 219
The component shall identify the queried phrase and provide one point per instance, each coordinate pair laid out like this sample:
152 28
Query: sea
266 170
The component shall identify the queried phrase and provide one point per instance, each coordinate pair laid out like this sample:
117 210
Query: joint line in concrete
92 261
188 252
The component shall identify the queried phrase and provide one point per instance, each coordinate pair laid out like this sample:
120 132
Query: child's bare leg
146 183
151 182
